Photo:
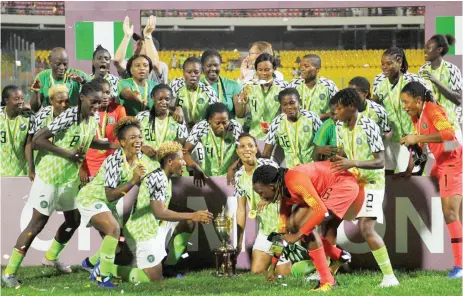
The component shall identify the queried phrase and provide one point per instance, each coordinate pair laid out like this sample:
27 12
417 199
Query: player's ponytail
416 89
443 41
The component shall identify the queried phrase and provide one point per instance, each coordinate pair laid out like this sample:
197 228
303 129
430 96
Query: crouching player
316 189
152 224
433 128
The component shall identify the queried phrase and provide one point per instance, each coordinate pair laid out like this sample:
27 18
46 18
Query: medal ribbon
8 129
216 150
161 137
193 100
435 90
52 81
307 102
293 146
395 103
145 92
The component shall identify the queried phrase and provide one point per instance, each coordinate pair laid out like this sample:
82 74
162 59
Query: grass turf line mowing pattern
45 281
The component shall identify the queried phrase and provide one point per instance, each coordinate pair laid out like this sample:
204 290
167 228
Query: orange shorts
341 195
449 176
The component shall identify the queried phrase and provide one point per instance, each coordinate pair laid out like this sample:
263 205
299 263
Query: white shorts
262 244
372 204
150 253
396 156
86 213
46 198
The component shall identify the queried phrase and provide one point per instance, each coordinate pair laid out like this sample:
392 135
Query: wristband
149 37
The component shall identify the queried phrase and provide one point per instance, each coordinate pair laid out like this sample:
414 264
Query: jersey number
200 153
284 141
327 194
369 204
2 137
210 151
149 135
74 141
254 104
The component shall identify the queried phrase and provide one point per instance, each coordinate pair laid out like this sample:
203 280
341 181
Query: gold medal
252 214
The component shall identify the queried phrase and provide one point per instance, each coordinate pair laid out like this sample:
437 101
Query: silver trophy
226 254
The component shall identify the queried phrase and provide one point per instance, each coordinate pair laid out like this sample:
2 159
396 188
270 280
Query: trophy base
225 261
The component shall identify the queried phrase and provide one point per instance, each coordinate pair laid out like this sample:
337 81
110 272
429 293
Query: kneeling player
151 224
311 186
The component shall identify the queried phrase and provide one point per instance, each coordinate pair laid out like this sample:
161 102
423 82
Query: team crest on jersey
43 204
424 125
98 206
201 101
111 119
322 96
359 141
150 258
306 129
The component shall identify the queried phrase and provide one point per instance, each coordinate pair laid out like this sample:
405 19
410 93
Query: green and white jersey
13 137
165 130
219 152
193 103
267 219
378 114
70 134
113 81
42 118
389 96
47 81
360 144
317 99
450 76
261 105
142 224
295 138
132 107
114 172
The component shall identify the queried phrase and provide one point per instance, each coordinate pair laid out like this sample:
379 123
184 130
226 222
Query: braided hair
6 92
267 175
416 89
347 97
398 53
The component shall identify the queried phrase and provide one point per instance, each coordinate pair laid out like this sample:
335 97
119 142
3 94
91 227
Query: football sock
130 274
15 261
332 251
94 258
55 249
382 258
319 260
107 254
176 248
456 241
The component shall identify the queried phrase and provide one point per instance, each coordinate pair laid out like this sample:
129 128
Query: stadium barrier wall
414 228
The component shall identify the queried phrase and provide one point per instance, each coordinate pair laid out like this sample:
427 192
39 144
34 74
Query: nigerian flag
90 34
451 25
